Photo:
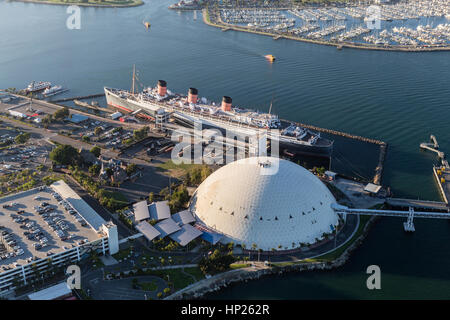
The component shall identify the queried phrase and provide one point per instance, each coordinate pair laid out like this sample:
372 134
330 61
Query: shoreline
201 288
339 45
80 4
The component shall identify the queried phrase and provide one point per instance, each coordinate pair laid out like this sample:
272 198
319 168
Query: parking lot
36 224
109 134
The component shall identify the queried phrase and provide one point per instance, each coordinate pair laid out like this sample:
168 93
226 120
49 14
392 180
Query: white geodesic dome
266 201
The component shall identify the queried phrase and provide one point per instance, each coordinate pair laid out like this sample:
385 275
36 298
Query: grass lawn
175 170
178 278
196 272
122 254
148 286
239 265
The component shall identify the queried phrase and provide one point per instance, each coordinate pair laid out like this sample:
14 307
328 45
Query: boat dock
442 172
89 106
80 98
383 146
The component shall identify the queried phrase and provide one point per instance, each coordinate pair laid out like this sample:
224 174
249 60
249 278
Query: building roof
271 202
85 210
208 234
183 217
372 188
148 230
77 118
166 227
159 210
141 211
116 115
186 234
51 293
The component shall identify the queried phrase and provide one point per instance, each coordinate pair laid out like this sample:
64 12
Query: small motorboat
270 57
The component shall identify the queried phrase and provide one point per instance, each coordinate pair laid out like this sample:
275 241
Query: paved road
121 289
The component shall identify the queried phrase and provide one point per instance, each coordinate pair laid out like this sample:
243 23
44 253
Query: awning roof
183 217
51 293
159 210
141 211
208 234
166 227
148 230
186 234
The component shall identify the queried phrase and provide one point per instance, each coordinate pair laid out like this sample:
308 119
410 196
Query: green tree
98 130
96 151
61 113
151 197
216 262
22 138
64 154
140 134
85 139
131 168
109 172
179 198
94 170
47 119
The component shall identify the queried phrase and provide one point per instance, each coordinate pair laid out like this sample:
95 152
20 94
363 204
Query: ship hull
295 148
323 147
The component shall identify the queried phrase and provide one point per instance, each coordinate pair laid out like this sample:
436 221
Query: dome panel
266 201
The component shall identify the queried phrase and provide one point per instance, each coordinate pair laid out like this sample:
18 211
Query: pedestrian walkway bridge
410 214
418 204
390 213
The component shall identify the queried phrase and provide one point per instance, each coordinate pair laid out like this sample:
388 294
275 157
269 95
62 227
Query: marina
409 26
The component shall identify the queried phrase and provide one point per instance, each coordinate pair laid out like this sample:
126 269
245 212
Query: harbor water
397 97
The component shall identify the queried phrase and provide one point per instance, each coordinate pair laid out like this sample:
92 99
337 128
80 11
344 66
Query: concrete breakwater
379 168
383 146
223 280
340 133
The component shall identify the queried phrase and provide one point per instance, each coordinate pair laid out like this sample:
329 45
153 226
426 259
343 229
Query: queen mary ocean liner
187 109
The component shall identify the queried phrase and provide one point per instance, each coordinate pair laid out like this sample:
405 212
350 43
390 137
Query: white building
102 236
267 202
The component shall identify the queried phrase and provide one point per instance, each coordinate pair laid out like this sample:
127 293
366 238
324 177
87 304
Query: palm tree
254 246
